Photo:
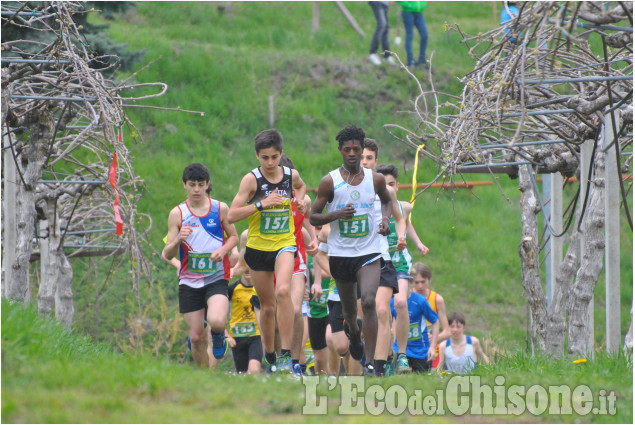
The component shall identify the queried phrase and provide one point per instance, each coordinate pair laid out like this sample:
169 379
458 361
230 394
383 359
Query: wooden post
315 23
8 217
612 238
349 18
272 115
585 158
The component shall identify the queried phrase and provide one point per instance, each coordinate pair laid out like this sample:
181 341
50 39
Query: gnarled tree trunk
530 261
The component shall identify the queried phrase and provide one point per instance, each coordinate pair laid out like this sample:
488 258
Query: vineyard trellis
550 87
65 161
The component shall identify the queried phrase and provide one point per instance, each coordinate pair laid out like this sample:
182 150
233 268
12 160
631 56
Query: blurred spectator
380 9
412 15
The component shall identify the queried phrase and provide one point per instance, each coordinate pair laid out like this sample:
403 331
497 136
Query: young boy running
196 231
265 196
419 349
348 193
422 277
369 160
460 352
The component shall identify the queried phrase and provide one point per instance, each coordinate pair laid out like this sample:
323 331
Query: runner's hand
231 341
217 256
300 205
422 249
316 290
432 354
347 212
401 243
184 233
312 248
274 199
384 227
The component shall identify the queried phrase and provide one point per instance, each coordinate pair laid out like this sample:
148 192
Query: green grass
50 375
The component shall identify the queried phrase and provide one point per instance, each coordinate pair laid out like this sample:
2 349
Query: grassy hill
228 64
50 375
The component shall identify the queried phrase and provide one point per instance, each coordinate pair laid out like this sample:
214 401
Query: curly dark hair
352 132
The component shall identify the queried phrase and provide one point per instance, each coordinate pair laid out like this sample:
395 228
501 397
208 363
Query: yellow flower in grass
579 361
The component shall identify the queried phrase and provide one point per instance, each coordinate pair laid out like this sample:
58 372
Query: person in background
422 277
380 9
460 352
412 15
510 11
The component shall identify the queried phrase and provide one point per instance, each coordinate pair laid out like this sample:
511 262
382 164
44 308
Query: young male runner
299 277
348 193
196 231
369 160
271 246
388 283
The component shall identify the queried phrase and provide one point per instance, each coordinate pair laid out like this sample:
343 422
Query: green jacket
412 6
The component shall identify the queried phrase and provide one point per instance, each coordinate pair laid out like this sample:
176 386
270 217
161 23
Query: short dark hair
285 161
372 145
349 133
386 169
196 172
271 138
455 316
422 269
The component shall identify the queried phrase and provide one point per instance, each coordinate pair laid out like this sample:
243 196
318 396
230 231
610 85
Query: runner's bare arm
386 203
176 234
478 350
325 194
238 210
410 230
300 191
232 235
400 222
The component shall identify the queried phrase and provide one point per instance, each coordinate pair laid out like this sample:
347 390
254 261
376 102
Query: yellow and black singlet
272 228
242 322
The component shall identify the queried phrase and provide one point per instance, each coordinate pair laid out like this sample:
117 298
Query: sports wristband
386 217
258 206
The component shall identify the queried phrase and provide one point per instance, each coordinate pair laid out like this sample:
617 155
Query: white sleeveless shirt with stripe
460 364
197 270
357 236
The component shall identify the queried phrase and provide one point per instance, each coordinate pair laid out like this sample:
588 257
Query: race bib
356 227
414 332
199 262
273 222
243 329
395 257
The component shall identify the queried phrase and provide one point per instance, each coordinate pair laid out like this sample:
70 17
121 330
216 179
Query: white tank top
462 364
197 270
357 236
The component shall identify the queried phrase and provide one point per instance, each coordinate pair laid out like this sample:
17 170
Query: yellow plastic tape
414 175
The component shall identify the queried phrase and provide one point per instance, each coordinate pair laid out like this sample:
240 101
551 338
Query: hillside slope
228 64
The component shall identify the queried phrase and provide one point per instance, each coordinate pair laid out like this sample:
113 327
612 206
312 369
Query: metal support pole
555 243
8 217
612 239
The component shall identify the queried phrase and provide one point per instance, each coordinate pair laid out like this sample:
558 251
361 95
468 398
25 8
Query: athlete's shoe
297 369
374 58
219 345
390 367
270 368
284 363
355 343
402 364
369 370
